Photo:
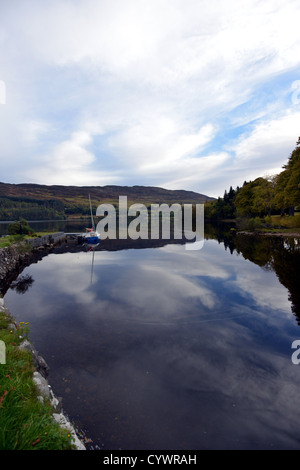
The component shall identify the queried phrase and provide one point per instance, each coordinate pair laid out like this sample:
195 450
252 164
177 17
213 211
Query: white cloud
159 82
144 142
33 130
195 172
265 148
68 161
72 154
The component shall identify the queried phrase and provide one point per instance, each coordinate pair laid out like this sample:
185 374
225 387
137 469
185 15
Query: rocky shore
12 260
20 255
40 378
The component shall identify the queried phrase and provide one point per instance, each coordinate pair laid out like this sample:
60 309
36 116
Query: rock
10 259
26 346
45 392
40 379
13 257
42 366
56 402
40 363
61 419
42 384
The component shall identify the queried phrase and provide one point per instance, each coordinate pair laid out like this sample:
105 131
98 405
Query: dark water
163 348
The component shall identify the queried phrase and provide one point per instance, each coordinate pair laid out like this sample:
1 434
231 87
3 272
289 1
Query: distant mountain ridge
34 201
138 193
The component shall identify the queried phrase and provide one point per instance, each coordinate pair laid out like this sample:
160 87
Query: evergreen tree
287 191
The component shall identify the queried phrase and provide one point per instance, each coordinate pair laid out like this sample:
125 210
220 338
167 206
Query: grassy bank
20 240
25 422
11 240
270 224
287 222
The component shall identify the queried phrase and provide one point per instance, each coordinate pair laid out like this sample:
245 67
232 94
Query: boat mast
93 225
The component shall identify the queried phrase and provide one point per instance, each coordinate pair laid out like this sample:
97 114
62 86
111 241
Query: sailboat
92 237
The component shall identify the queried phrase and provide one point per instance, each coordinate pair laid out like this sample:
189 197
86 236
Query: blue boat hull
92 240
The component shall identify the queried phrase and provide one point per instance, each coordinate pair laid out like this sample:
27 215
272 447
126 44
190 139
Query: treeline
14 208
278 194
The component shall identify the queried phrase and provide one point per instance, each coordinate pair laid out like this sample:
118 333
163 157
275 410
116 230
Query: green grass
9 240
25 422
289 222
18 239
271 224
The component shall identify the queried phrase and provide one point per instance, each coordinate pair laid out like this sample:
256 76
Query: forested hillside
277 194
14 208
40 202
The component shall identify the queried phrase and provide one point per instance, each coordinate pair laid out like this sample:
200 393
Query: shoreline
13 260
269 234
16 261
40 380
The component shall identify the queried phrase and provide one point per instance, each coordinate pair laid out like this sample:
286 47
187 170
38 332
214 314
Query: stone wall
46 240
11 258
22 254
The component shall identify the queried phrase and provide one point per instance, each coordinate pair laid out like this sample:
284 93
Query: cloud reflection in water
167 349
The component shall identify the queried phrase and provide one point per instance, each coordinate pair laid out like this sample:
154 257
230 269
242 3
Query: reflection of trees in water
281 255
259 250
221 232
22 284
286 264
277 254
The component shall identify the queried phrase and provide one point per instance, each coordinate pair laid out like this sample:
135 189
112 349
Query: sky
198 95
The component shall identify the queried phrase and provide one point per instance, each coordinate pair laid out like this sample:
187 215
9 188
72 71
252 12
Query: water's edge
12 262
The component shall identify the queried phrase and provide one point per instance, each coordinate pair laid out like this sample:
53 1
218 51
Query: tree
20 227
244 199
264 195
287 191
280 200
293 183
222 208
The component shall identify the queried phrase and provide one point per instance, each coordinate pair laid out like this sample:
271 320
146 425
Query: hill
34 201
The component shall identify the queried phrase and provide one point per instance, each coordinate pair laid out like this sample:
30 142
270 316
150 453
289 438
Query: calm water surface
163 348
